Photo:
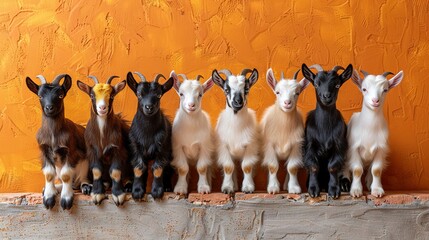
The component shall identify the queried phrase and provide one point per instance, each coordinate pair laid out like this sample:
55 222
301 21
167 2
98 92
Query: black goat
106 138
150 137
325 143
61 143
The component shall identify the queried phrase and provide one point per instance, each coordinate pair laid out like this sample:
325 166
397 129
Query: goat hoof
204 189
128 187
49 202
157 192
119 199
86 189
334 192
314 191
377 192
138 193
66 203
345 184
294 189
97 198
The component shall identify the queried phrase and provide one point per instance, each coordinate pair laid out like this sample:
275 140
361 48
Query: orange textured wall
109 37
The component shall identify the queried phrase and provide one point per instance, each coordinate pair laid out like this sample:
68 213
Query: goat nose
49 107
327 95
287 102
102 107
191 105
148 107
238 100
375 100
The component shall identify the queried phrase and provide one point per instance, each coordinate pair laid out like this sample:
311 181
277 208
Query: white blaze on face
190 92
236 87
374 89
287 92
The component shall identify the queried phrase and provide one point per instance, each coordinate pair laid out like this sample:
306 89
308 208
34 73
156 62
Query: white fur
283 131
368 134
50 189
192 135
67 188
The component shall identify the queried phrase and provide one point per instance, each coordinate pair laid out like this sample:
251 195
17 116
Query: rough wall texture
193 37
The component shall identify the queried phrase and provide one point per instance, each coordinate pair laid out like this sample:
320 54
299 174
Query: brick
209 199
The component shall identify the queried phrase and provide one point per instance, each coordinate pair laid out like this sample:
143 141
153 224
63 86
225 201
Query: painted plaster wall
111 37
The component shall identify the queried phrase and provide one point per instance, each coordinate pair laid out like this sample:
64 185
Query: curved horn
226 72
296 74
281 75
42 79
94 78
142 78
336 68
159 75
111 78
245 71
198 77
385 74
317 67
58 78
183 76
364 73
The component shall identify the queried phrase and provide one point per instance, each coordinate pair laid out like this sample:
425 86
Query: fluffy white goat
283 132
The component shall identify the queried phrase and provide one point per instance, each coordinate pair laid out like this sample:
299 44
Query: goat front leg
203 165
118 194
140 179
376 170
249 161
355 165
335 165
293 164
225 160
49 191
181 164
312 165
270 160
98 191
158 182
66 175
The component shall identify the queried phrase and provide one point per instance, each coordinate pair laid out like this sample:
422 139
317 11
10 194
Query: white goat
283 132
192 134
368 133
237 129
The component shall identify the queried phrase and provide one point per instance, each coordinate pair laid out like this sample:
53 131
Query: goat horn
385 74
364 73
317 67
281 75
142 78
58 78
159 75
198 77
94 78
296 74
111 78
245 71
42 79
183 76
226 72
336 68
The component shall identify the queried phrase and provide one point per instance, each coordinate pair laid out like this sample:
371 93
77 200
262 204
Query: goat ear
346 74
132 82
395 80
356 79
119 87
32 85
176 84
67 83
82 86
308 74
167 85
207 85
253 77
217 79
304 84
271 79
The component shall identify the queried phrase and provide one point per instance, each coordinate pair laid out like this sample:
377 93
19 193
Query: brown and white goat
61 143
106 138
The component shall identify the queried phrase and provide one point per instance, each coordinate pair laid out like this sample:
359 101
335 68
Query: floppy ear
167 85
271 79
217 79
208 84
132 82
32 85
119 87
67 83
356 79
347 73
308 74
82 86
304 84
176 84
253 77
395 80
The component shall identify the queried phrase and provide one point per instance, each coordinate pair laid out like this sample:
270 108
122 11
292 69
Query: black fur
325 142
150 137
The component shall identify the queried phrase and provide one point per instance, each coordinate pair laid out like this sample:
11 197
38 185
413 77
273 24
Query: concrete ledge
398 215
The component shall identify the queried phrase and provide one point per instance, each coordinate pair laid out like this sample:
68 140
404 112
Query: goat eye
181 94
277 92
385 90
338 86
91 96
200 95
61 96
316 85
364 89
40 97
159 96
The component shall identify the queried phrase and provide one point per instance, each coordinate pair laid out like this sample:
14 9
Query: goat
192 134
61 143
150 137
368 133
106 138
237 130
325 141
283 132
